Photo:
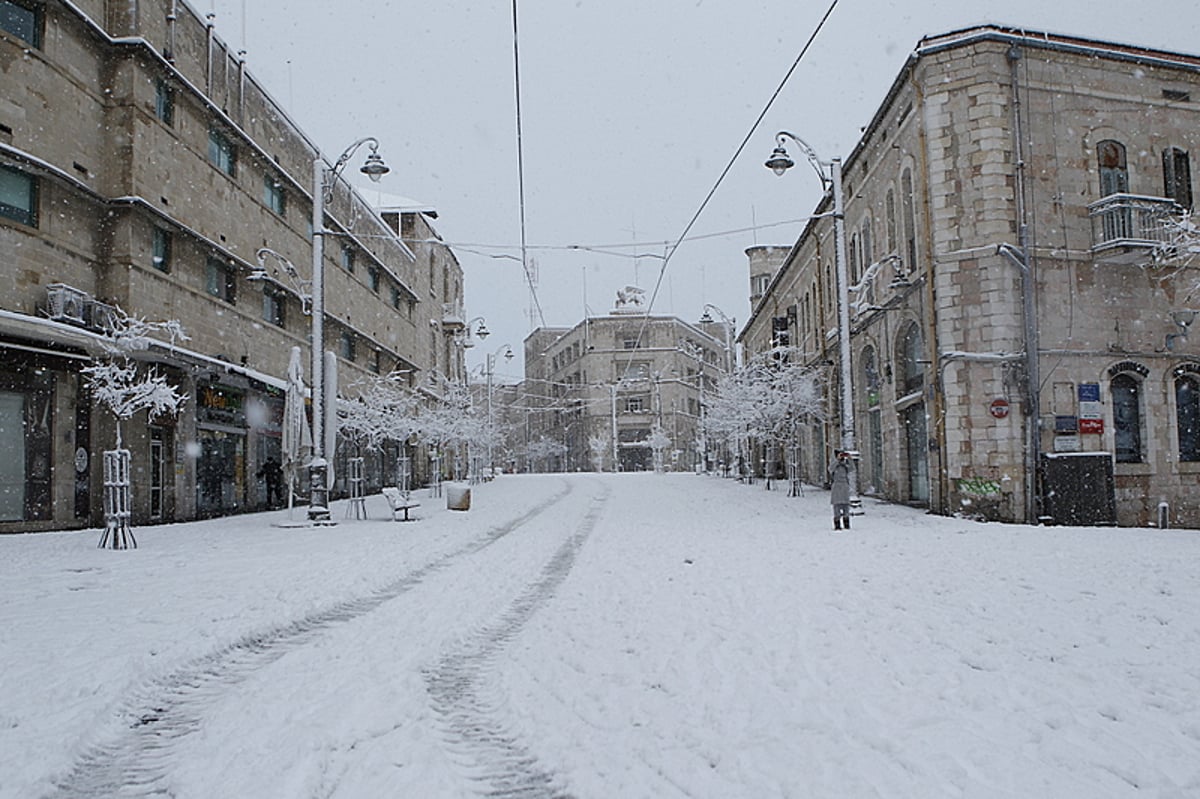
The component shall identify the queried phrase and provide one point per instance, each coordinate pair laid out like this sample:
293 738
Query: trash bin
458 496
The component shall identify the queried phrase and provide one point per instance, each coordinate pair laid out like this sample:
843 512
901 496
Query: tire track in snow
464 693
135 761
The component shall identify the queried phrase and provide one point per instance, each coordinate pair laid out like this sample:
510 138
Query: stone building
1017 351
143 167
598 391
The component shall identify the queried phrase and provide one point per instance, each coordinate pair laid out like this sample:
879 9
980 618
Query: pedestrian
839 489
272 473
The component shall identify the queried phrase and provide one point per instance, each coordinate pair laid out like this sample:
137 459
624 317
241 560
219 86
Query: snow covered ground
603 636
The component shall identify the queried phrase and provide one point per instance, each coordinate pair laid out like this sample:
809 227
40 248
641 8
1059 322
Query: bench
399 501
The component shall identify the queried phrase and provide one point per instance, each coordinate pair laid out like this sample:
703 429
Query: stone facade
998 154
144 167
613 379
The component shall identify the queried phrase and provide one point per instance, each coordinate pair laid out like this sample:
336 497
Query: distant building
997 154
597 391
142 166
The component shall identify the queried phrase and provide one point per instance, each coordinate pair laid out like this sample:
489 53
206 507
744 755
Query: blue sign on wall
1089 392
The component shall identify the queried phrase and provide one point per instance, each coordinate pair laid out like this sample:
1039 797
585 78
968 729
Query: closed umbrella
297 437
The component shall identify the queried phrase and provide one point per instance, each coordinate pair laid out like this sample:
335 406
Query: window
854 256
347 259
161 256
274 305
870 377
1114 177
373 278
908 203
221 152
912 371
1127 418
164 103
635 404
18 196
23 20
347 348
376 361
1187 417
890 212
868 245
1177 176
396 297
273 196
220 280
758 285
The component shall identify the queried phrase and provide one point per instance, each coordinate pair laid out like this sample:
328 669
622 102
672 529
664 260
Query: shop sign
1093 426
220 405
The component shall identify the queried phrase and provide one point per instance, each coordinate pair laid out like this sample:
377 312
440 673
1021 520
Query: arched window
1114 176
1187 417
1177 176
1127 418
912 371
890 211
909 204
868 244
854 259
870 376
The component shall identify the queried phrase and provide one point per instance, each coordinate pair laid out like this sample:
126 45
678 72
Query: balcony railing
1126 227
453 316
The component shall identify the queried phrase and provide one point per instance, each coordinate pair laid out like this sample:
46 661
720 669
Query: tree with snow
763 401
1181 249
658 441
125 387
597 447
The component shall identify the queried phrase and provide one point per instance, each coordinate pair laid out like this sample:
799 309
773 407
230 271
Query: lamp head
375 168
508 353
779 162
257 274
482 331
1183 318
706 318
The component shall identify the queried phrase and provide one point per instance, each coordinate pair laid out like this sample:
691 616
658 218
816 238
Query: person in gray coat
839 490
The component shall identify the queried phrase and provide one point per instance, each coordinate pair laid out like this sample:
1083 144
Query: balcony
1127 227
454 318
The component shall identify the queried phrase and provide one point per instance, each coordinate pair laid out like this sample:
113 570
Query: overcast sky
631 109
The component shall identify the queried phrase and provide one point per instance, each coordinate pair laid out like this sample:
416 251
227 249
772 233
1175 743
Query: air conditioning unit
66 303
100 315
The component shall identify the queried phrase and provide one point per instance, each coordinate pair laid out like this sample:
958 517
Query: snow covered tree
763 401
658 442
123 386
597 446
1181 249
384 410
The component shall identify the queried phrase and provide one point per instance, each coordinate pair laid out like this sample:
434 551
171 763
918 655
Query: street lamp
491 365
780 162
706 319
323 182
482 332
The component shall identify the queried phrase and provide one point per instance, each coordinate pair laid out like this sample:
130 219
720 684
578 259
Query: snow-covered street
594 635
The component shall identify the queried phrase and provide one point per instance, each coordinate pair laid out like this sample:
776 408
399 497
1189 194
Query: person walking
272 473
839 489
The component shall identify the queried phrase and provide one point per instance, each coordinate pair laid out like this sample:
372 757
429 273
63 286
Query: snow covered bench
399 501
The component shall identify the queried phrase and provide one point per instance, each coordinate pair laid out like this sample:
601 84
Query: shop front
221 440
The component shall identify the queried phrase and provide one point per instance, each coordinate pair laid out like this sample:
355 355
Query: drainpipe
1019 257
209 73
172 17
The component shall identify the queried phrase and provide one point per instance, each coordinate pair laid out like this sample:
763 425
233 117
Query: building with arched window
1018 351
143 166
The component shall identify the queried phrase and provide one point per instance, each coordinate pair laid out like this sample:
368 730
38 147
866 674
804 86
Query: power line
521 173
729 166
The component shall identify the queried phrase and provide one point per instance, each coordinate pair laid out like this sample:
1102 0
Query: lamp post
728 324
779 162
323 182
491 365
482 332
